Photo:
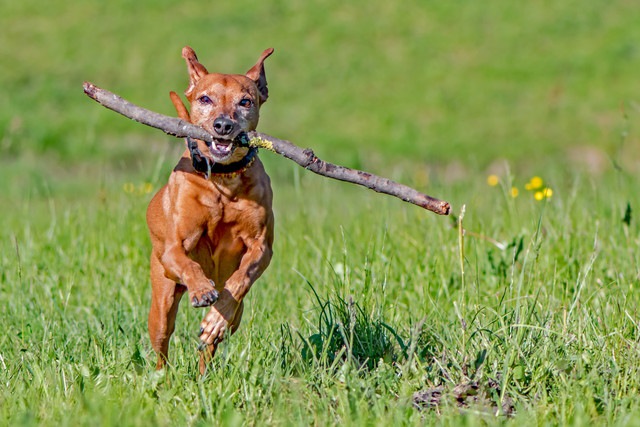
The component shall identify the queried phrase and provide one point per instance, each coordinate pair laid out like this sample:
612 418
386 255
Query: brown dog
211 226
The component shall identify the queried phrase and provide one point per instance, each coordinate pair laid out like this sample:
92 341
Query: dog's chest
231 220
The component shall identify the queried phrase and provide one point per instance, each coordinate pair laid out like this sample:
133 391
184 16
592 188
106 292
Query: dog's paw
204 297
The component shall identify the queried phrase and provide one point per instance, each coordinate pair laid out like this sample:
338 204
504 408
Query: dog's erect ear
196 69
256 73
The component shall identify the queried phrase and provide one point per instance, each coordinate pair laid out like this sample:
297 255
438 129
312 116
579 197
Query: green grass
368 300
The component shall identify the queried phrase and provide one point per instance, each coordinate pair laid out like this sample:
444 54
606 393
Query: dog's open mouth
222 149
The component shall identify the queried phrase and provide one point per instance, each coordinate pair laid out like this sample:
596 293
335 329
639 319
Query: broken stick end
89 88
439 207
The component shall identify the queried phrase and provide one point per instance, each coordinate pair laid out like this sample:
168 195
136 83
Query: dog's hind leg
165 298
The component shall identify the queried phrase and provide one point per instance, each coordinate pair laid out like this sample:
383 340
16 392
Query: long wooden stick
303 157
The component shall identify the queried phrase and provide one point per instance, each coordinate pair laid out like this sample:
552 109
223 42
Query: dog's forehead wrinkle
241 80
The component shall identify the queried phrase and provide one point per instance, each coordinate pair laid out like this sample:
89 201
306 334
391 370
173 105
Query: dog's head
226 105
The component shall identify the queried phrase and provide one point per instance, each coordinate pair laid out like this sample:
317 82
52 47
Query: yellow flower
534 184
514 192
493 180
544 193
128 187
146 188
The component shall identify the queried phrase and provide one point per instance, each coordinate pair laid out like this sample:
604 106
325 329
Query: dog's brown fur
211 236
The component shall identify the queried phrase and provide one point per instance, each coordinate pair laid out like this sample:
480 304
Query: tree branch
303 157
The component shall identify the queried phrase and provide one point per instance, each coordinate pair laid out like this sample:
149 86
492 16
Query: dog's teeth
223 148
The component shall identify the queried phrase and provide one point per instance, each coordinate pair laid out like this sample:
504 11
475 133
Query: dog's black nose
223 125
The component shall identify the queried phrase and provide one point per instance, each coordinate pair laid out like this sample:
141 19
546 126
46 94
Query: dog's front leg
225 313
182 269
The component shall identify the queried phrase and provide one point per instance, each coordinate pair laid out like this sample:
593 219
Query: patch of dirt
469 395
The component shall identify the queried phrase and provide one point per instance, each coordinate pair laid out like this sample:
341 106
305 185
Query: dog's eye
204 99
246 103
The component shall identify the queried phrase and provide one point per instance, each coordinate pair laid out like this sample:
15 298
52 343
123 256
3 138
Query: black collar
208 167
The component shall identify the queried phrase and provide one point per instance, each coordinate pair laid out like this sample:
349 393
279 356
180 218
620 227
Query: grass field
373 312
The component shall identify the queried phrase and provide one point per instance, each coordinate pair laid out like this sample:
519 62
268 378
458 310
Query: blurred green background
449 89
436 94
